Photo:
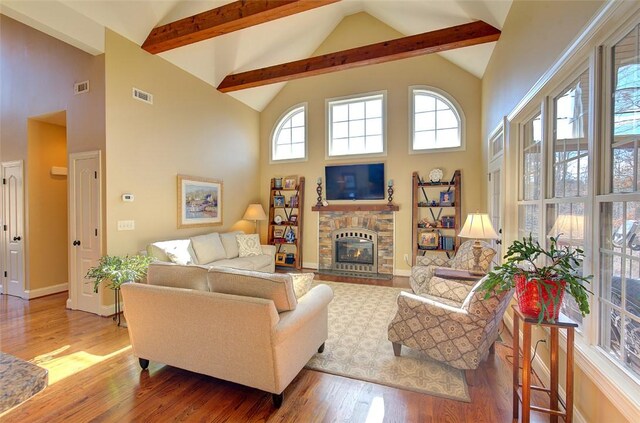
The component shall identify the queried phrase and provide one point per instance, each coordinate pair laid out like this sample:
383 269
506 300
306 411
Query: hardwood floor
95 377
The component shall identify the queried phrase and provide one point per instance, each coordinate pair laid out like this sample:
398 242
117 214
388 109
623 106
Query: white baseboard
109 310
41 292
542 371
309 265
402 272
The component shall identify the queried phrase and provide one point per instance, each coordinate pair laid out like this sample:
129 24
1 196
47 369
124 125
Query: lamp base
477 251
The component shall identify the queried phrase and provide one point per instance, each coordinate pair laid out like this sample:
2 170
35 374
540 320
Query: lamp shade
255 212
478 226
570 226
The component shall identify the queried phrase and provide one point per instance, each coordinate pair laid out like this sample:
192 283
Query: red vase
532 294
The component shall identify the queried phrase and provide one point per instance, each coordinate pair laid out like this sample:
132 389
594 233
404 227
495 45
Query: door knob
16 238
76 242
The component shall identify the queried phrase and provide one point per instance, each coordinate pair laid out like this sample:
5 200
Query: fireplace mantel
356 207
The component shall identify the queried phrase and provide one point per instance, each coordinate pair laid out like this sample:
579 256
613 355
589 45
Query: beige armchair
422 272
458 333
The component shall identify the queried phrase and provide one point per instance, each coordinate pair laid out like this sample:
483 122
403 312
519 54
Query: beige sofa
241 326
214 249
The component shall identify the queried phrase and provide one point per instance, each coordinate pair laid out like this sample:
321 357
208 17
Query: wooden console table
524 395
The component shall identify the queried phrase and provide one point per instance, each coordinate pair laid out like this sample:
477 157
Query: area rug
19 381
358 347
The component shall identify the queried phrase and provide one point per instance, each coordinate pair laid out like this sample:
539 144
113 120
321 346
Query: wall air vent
81 87
142 96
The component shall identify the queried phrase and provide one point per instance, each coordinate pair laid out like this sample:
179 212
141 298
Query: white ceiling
82 23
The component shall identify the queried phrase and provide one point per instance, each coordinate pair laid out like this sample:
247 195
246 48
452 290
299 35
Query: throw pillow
301 283
208 248
230 243
179 256
248 245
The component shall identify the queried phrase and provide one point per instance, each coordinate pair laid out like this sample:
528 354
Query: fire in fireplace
355 250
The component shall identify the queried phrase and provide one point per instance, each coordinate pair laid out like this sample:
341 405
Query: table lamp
255 212
477 226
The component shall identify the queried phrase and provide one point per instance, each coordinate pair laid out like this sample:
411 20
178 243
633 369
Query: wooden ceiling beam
445 39
223 20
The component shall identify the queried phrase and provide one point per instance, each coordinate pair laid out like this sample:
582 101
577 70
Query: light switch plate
126 225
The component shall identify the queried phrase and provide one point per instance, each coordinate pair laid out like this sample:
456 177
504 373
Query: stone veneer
380 222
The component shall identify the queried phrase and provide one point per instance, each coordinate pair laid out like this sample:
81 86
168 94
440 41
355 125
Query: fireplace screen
354 250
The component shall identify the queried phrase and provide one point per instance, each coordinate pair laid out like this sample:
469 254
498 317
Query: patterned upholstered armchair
455 331
422 272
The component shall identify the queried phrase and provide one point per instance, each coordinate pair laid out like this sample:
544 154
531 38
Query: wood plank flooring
94 377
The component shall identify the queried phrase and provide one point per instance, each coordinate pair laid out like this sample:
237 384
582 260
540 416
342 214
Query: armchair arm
269 250
309 306
410 305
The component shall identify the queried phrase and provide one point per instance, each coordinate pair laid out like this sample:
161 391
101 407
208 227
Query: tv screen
355 182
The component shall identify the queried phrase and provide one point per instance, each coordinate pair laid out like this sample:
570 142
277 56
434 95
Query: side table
524 395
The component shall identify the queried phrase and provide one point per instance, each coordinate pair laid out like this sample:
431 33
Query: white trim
350 99
109 310
309 265
305 108
454 106
41 292
402 272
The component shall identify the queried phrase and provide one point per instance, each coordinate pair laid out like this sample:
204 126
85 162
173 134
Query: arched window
437 122
289 141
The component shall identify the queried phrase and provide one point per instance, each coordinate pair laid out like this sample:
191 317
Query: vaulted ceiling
82 23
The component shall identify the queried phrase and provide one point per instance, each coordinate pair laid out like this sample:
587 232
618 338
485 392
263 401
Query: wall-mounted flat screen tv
355 182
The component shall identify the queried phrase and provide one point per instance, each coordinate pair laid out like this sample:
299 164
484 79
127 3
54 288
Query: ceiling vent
142 96
81 87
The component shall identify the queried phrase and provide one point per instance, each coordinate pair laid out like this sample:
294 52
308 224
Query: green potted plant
539 287
116 270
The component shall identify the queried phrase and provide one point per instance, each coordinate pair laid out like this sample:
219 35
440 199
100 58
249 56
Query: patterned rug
358 347
19 381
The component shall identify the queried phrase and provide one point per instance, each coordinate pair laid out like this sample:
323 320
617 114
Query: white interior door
495 206
84 229
13 228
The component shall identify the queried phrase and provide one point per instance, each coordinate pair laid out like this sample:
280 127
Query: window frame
455 107
354 98
287 114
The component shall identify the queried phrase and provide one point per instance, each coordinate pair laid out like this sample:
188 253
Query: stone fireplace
356 239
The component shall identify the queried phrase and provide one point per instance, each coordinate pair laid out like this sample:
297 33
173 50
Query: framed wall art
199 201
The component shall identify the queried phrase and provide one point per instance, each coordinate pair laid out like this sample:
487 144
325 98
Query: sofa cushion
208 248
277 287
230 243
301 283
248 245
176 250
247 263
178 276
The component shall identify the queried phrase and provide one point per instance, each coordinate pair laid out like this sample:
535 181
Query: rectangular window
619 273
356 126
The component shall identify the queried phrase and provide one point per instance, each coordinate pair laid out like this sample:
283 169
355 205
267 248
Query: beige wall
533 38
38 73
190 129
47 214
395 78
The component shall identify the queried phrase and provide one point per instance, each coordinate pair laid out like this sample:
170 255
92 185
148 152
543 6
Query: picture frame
278 233
199 201
290 182
277 183
278 201
293 218
446 199
429 240
293 201
280 258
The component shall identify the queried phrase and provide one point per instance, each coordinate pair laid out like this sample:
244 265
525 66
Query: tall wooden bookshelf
428 213
284 231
